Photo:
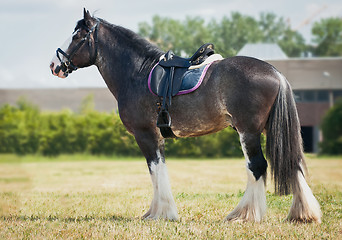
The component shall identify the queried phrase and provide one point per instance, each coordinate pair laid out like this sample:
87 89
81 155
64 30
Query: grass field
87 197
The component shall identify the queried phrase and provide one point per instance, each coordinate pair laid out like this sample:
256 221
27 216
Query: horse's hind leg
305 207
163 205
252 206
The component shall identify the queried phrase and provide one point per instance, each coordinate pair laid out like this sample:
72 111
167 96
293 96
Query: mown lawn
87 197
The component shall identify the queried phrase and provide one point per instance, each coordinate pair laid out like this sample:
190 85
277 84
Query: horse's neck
122 60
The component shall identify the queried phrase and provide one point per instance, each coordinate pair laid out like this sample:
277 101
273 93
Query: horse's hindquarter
237 91
251 87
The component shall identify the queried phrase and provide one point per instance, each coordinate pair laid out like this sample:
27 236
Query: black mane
131 40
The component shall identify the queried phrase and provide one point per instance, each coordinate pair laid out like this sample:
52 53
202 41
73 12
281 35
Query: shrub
26 130
332 130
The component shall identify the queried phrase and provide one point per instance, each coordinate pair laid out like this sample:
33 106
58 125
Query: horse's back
237 91
248 71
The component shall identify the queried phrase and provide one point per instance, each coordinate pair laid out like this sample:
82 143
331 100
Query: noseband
68 66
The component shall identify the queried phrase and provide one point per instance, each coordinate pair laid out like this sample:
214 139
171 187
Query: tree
181 37
328 37
332 130
231 34
228 35
292 43
271 27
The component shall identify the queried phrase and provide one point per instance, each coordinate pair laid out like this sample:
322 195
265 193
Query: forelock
80 24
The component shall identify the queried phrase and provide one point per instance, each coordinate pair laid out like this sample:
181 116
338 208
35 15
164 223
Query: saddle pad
191 79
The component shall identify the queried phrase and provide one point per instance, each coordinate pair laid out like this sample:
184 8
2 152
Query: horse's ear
86 15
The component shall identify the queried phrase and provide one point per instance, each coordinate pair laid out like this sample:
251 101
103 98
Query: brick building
316 83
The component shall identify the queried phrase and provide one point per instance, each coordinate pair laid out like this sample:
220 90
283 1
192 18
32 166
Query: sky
32 30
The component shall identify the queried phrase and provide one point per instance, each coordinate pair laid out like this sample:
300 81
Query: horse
245 93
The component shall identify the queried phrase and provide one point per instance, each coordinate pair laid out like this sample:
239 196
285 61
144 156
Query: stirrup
164 119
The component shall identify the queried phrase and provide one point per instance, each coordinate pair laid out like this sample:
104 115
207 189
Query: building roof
263 51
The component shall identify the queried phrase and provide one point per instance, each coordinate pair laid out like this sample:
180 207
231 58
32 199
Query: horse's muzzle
56 70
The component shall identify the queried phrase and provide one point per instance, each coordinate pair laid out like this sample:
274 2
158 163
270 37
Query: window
298 96
322 96
337 95
309 96
312 95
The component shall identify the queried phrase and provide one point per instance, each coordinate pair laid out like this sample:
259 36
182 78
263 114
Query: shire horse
245 93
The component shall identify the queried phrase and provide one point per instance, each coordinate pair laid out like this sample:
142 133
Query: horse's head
80 50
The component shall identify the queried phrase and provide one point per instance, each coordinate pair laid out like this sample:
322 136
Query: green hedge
24 129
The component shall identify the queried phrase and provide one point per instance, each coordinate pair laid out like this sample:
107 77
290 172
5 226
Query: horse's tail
284 148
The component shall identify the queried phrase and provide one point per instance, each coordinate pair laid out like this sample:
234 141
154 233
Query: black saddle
166 81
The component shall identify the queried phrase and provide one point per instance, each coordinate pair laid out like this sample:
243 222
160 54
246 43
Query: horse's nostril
57 69
51 65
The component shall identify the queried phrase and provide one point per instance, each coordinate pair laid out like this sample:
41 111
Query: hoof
305 219
241 215
235 220
170 217
166 213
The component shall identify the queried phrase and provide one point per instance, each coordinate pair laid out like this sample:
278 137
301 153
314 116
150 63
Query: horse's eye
76 35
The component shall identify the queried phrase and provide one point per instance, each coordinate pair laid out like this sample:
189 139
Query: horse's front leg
152 146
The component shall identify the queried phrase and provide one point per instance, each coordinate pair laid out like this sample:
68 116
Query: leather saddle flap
159 78
186 82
